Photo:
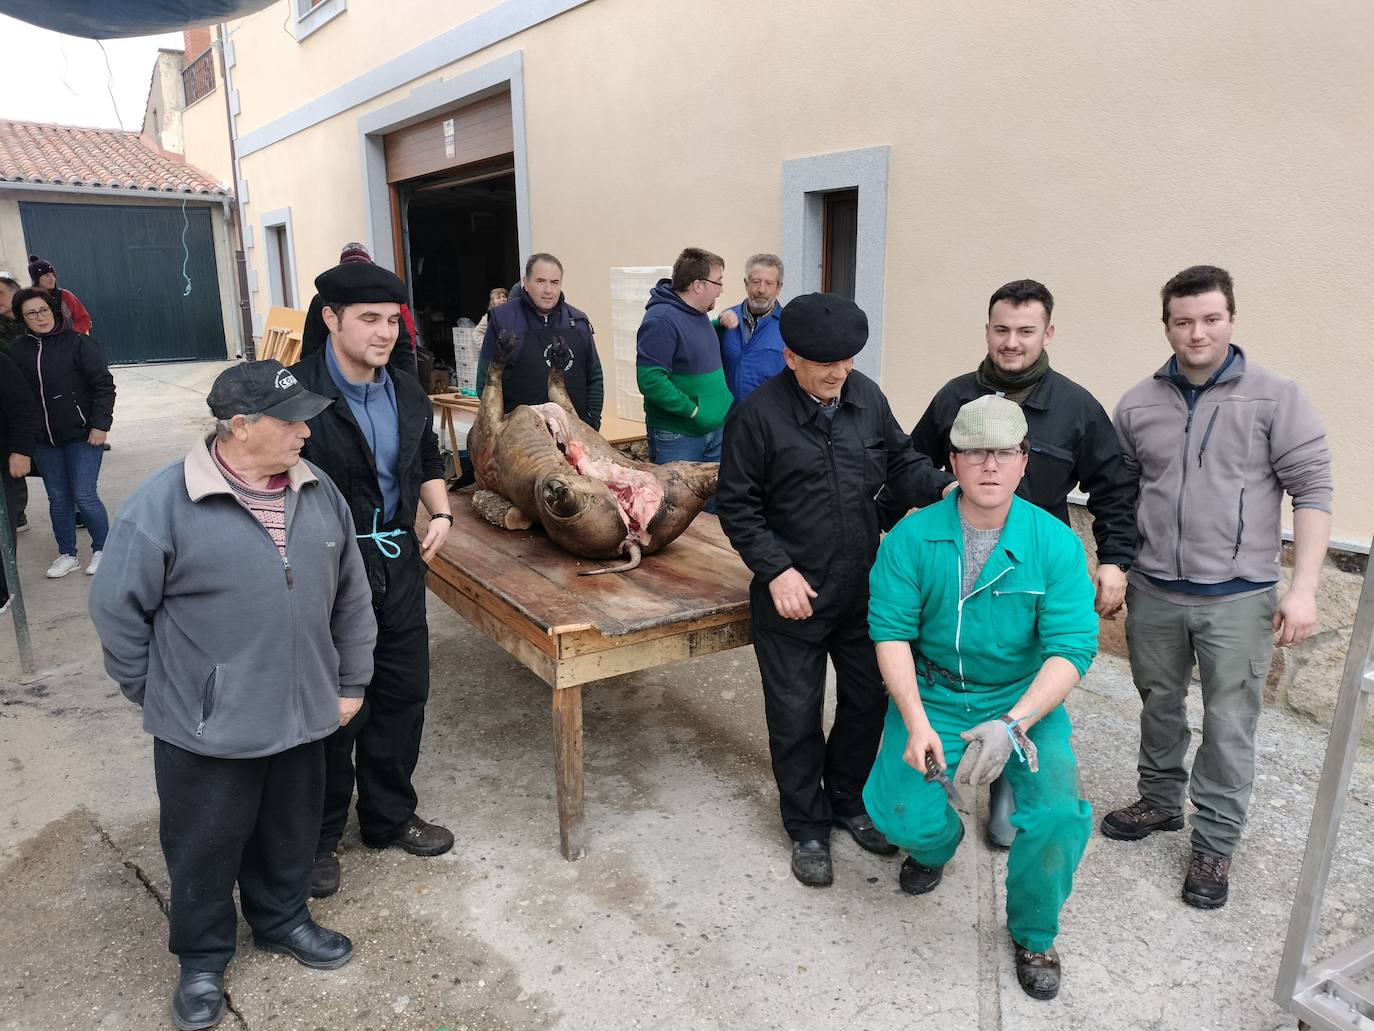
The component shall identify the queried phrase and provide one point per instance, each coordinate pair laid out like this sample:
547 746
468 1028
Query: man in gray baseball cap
981 611
233 607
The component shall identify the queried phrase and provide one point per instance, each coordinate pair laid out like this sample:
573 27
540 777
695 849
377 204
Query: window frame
311 17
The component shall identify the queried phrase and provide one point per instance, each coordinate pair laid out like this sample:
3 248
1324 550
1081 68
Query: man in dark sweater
376 439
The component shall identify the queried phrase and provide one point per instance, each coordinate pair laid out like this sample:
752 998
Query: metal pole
11 565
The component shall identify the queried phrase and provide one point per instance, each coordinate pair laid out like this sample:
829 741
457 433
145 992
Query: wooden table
458 410
523 591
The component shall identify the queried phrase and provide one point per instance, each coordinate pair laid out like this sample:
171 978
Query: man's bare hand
791 595
728 319
434 538
348 708
1110 581
20 465
921 740
1296 617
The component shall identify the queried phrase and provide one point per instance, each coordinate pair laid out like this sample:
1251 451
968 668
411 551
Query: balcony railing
199 77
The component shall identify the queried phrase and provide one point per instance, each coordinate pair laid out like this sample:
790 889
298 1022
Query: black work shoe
198 1001
311 945
870 839
1039 973
324 876
418 838
1207 885
916 879
1137 820
811 863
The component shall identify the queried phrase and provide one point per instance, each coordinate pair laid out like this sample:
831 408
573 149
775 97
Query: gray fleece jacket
232 651
1212 479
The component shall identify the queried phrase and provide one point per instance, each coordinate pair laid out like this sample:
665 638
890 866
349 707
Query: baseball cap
264 388
989 422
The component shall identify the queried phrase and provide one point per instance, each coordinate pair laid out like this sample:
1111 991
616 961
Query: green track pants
1052 823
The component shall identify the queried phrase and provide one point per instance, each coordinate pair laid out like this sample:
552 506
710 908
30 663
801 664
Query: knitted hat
39 267
354 252
989 422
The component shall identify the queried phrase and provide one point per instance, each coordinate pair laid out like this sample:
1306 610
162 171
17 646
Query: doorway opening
460 241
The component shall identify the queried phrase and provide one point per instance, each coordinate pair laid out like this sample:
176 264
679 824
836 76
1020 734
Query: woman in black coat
76 393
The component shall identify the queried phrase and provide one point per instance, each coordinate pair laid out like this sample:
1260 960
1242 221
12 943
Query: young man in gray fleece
1217 440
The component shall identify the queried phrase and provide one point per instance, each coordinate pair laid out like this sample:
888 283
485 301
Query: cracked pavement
682 915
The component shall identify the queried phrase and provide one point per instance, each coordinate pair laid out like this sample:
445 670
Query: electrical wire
109 83
186 250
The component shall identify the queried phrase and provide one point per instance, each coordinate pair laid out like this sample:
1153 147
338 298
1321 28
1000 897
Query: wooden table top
615 430
697 576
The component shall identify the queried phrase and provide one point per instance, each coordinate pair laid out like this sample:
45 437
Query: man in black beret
806 460
376 441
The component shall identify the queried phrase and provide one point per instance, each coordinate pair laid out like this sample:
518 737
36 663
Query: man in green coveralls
982 612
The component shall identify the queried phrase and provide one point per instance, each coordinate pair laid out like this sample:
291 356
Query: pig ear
559 355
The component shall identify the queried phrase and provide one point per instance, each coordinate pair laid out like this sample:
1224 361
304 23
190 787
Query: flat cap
359 282
266 388
990 422
823 327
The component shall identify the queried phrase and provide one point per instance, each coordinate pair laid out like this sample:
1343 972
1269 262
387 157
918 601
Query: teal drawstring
379 537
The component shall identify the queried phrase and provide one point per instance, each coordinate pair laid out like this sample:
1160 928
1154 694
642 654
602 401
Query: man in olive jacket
232 607
805 459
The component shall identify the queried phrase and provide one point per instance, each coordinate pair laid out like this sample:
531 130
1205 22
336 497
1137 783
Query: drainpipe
240 258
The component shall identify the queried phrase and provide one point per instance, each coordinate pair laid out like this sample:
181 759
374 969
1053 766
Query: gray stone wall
1306 678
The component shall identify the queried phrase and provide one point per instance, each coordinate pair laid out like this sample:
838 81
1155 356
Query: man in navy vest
537 315
750 342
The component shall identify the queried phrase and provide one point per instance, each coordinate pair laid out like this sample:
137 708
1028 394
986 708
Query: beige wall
1100 148
162 113
205 129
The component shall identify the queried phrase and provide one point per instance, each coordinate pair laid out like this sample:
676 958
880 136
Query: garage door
125 263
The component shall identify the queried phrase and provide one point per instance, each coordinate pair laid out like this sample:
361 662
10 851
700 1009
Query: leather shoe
311 945
198 1001
1039 973
418 838
1138 820
811 863
324 876
916 879
1208 882
870 839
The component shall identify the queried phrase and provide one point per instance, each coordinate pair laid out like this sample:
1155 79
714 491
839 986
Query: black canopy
111 19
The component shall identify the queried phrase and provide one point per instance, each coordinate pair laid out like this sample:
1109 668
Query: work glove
989 746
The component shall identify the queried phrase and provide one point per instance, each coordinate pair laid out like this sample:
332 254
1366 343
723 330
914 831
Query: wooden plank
511 619
573 644
568 769
659 651
542 665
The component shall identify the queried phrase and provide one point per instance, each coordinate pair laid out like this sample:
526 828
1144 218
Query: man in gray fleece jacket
1216 441
233 607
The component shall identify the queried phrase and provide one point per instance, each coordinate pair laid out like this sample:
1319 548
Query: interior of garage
461 242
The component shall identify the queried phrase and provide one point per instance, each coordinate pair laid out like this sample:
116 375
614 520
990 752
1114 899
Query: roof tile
70 155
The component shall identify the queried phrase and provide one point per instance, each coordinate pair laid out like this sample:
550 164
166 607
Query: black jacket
338 446
72 381
798 491
526 381
1072 444
21 420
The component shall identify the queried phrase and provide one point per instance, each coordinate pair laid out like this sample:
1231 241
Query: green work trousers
1052 822
1232 643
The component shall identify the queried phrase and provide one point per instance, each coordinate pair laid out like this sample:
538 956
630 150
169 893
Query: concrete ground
683 913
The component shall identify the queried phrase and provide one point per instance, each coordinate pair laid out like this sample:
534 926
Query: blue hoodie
678 366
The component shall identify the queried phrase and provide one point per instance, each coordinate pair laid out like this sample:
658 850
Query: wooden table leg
567 761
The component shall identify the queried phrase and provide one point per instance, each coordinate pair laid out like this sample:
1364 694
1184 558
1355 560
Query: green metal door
125 263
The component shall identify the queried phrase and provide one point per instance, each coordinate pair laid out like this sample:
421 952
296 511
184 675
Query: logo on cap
285 381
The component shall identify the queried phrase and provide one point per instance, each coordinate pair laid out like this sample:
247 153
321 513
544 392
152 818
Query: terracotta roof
70 155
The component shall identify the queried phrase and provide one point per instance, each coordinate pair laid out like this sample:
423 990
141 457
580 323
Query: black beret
823 327
359 282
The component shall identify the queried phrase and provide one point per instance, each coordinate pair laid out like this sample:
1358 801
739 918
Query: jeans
666 446
69 473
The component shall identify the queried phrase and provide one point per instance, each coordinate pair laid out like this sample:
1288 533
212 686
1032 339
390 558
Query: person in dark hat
234 609
377 440
806 459
407 356
43 275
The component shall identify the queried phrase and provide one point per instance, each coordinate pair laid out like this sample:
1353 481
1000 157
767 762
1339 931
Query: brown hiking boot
1137 820
1206 886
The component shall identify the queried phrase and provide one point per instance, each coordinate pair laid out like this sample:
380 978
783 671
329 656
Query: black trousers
817 778
381 744
253 821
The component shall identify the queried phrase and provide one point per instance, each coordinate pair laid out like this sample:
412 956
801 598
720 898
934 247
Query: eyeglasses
979 456
36 313
713 282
